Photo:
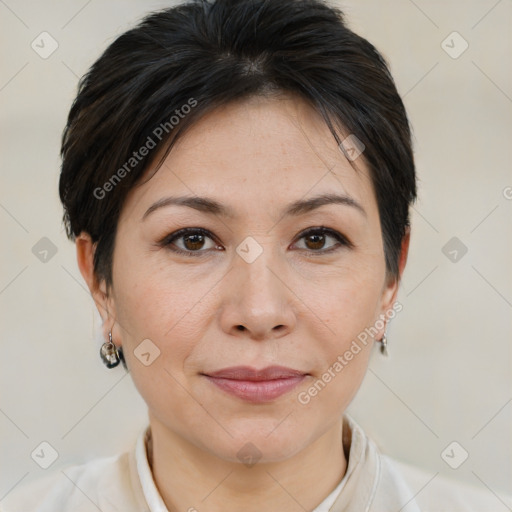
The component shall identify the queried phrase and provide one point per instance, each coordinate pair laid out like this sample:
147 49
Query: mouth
256 386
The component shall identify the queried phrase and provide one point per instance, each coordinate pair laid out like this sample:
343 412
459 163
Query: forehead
269 150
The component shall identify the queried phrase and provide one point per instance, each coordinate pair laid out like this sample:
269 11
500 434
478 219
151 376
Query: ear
390 290
85 249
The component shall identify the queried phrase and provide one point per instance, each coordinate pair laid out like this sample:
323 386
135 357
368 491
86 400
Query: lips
254 385
251 374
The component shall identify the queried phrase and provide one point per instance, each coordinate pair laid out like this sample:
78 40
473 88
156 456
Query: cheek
149 309
350 309
164 314
345 349
347 304
332 391
154 297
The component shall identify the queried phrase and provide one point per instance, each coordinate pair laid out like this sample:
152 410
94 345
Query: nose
258 303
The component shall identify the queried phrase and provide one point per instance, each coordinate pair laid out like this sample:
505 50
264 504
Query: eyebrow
213 207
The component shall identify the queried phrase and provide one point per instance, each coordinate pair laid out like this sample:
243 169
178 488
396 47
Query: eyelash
321 230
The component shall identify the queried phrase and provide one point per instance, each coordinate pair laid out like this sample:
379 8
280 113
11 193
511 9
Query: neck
190 479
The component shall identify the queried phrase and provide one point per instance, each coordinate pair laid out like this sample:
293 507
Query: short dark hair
155 80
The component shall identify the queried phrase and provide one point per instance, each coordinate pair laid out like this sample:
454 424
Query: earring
384 345
109 353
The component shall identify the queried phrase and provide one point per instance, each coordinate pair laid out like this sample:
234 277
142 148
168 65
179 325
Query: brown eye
193 242
190 241
317 240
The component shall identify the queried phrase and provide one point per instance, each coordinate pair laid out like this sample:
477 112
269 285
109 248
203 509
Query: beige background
449 374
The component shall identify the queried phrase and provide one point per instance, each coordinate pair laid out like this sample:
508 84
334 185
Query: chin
260 440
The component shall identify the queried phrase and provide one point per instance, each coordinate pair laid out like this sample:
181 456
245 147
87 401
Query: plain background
449 374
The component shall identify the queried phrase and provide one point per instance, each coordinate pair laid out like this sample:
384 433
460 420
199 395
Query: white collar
155 501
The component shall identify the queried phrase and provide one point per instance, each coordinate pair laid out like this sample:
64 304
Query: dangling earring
109 354
384 345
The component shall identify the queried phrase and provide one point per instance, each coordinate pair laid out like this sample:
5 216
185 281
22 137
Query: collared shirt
372 483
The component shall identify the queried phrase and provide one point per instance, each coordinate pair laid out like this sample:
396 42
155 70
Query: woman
237 177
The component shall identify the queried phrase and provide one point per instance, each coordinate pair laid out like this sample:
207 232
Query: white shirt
372 483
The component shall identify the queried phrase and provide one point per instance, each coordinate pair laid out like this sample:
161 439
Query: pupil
195 241
319 241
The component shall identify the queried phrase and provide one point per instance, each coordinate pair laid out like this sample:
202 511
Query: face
259 276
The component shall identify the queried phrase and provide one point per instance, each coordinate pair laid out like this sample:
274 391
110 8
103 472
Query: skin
300 306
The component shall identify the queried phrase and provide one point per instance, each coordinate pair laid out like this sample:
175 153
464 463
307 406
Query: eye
192 240
316 239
